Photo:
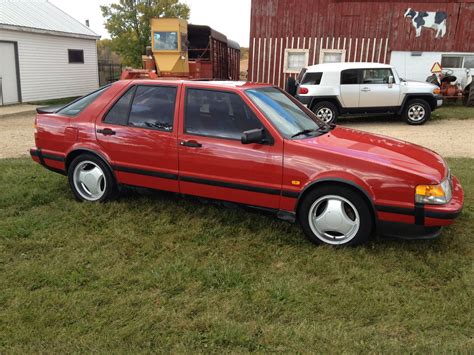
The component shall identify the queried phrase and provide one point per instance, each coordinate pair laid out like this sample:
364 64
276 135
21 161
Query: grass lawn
152 271
456 111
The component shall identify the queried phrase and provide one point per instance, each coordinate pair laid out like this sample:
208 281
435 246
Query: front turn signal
437 91
430 194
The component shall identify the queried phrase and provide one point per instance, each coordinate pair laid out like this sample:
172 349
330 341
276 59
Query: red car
250 144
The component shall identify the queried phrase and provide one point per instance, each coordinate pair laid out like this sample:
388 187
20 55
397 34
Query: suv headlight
434 194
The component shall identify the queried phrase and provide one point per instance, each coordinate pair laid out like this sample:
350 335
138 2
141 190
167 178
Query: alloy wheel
334 219
89 180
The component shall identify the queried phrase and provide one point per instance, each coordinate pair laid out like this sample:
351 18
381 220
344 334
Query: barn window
295 60
457 61
332 56
76 55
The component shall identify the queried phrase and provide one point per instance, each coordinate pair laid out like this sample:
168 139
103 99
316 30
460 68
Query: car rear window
350 77
76 107
312 79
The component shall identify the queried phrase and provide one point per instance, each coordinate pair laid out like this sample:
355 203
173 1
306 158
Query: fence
109 72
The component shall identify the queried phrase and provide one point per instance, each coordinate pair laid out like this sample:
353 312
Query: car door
350 88
139 135
375 89
213 162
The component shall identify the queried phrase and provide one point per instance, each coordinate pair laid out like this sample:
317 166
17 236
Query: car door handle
191 143
365 89
106 132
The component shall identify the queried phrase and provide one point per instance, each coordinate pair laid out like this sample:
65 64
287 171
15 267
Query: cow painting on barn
434 20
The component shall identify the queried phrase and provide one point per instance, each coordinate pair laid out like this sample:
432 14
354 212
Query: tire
350 217
90 179
469 96
326 111
290 87
416 112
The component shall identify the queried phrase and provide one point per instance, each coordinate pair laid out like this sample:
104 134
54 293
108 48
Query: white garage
44 53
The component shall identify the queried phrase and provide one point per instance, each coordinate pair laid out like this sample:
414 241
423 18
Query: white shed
44 53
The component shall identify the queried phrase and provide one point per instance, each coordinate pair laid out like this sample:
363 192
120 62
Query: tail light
303 90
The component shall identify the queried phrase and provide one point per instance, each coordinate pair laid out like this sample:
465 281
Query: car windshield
288 117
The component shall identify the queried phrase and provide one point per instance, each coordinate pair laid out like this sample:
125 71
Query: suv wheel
417 112
335 216
326 111
91 179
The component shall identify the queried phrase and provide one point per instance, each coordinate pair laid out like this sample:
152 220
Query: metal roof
41 16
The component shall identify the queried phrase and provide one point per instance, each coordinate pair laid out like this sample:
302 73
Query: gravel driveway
450 138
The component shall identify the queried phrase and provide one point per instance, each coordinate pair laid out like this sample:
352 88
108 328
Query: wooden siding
367 30
45 72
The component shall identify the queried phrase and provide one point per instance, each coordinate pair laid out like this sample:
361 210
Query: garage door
8 74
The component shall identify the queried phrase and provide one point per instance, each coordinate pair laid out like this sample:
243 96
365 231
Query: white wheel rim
325 114
89 180
334 219
416 112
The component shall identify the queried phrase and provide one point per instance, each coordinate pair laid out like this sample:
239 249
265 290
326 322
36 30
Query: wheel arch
81 150
430 99
338 182
332 99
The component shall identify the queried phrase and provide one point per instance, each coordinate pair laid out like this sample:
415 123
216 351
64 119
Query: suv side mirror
391 80
256 135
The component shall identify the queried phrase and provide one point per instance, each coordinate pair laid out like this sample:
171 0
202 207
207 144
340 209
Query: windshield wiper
304 131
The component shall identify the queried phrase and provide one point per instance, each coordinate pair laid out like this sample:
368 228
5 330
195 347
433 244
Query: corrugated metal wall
367 30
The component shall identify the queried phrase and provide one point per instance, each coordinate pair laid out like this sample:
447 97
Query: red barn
286 35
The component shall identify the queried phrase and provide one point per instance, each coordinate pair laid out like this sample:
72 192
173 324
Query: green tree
128 23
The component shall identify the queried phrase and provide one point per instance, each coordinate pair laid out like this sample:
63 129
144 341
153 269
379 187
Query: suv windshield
285 115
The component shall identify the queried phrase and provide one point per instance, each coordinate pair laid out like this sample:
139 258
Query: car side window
350 77
218 114
145 106
312 79
376 76
153 107
118 114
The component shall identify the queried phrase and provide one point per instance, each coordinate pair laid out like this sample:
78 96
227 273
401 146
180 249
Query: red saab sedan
250 144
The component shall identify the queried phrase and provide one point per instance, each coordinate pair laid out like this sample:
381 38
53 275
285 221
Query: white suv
334 89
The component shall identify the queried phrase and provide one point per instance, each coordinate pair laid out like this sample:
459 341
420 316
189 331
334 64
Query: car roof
336 67
204 83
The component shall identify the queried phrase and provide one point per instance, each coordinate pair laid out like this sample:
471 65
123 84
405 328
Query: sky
230 17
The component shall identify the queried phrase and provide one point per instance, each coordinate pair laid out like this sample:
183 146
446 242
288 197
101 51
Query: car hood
382 150
420 84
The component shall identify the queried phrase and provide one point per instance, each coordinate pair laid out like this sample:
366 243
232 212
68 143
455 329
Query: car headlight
434 194
436 91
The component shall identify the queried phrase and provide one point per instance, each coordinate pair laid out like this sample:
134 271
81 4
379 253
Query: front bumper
422 222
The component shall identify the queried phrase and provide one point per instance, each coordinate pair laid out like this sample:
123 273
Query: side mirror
253 136
391 80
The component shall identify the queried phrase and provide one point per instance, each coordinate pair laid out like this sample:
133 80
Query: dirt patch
450 138
16 135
